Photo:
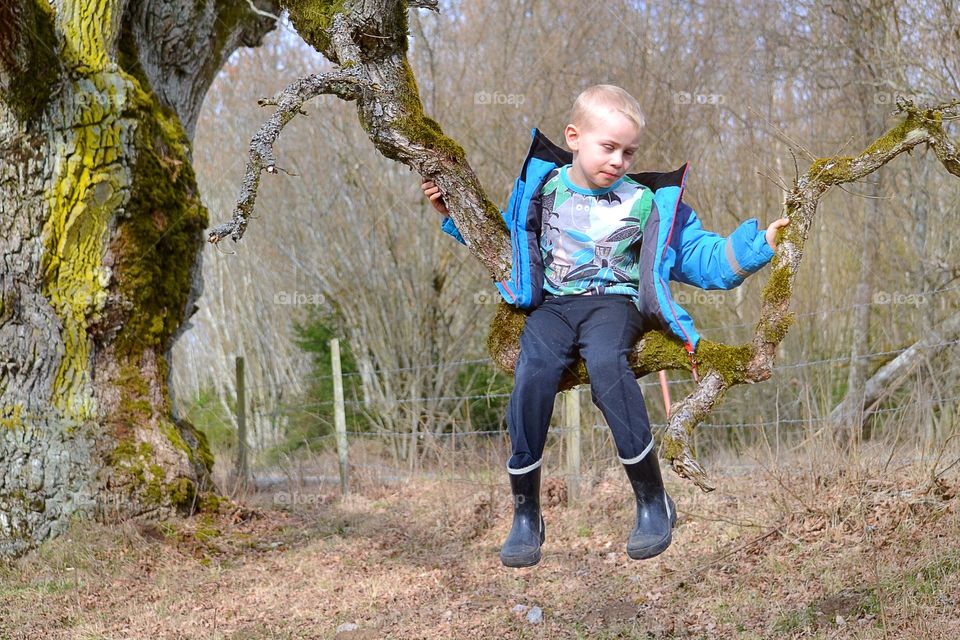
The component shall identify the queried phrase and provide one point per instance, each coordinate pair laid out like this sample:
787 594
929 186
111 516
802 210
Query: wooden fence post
339 416
571 412
241 468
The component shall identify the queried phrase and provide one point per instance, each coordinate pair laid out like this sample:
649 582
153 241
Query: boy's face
603 148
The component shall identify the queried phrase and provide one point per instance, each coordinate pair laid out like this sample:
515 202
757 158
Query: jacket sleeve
711 261
449 227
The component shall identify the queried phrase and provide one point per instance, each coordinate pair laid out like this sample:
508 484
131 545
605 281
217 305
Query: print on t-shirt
590 239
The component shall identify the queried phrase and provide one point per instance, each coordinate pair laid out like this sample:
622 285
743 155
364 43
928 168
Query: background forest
345 245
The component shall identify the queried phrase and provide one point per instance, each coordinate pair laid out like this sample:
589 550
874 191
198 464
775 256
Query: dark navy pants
602 329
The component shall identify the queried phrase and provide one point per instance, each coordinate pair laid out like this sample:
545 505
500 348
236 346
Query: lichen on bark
108 222
90 183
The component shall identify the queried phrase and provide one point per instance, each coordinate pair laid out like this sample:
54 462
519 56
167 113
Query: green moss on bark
661 351
159 239
492 213
728 361
199 447
313 19
790 233
136 463
28 49
775 332
911 125
130 460
417 126
505 329
778 289
837 170
673 448
831 170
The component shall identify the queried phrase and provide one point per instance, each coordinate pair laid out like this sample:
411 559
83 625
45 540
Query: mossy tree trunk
101 227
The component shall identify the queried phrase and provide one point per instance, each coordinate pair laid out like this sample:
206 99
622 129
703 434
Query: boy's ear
571 136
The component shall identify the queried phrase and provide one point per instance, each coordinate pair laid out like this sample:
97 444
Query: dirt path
761 557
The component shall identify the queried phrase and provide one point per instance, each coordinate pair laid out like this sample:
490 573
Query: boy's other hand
432 191
772 231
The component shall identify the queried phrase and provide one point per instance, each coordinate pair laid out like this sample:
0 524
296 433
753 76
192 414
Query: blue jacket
683 251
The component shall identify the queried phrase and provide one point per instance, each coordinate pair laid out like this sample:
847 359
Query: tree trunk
101 227
893 374
866 31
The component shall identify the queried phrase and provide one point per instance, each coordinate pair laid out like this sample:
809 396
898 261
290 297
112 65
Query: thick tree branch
177 47
368 40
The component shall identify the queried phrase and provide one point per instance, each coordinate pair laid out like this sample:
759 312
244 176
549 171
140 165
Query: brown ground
801 553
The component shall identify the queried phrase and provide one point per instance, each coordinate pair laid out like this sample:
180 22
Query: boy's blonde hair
592 99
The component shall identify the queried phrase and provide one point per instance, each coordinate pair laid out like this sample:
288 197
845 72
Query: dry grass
821 545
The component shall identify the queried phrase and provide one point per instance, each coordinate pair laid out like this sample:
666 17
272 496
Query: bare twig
260 12
345 84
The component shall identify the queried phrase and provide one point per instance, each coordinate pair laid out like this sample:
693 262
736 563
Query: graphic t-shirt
590 238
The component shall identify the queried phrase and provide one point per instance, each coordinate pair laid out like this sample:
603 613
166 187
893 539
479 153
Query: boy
593 249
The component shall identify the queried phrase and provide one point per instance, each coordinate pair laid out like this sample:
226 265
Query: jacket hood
544 149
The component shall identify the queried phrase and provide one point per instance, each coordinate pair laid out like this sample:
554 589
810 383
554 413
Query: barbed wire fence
579 450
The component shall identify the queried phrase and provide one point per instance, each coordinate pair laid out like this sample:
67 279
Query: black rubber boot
522 546
656 513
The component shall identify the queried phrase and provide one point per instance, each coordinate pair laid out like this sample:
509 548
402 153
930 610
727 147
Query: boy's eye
608 147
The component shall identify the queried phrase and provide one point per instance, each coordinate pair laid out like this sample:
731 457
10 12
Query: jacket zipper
688 345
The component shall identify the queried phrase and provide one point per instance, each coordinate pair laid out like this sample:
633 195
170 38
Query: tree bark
101 227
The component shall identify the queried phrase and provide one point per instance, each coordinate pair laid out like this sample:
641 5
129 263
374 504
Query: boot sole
526 560
643 553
